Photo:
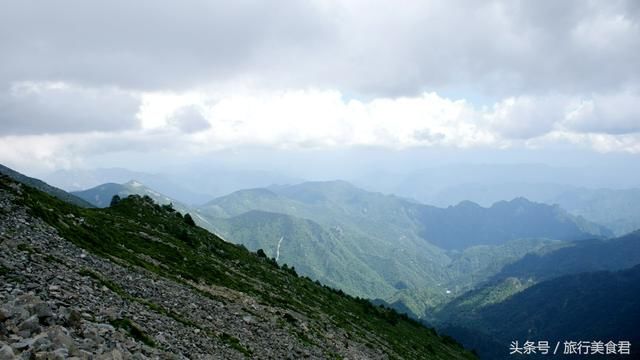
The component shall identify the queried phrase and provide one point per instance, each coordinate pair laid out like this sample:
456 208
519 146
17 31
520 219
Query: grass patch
53 259
106 282
234 342
4 270
26 247
134 330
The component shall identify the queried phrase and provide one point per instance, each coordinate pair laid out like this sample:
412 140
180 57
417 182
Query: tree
115 200
168 207
261 253
189 220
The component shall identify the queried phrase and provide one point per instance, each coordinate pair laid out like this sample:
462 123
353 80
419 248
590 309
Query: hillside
314 251
617 209
144 281
380 240
468 224
42 186
100 196
597 306
469 269
373 245
538 266
581 256
455 227
524 285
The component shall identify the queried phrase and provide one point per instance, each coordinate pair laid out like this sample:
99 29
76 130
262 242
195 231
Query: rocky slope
120 297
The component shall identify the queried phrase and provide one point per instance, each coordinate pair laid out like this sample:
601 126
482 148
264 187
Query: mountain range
586 290
516 270
139 279
373 245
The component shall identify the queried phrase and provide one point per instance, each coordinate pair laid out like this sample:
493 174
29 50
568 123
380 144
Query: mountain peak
134 183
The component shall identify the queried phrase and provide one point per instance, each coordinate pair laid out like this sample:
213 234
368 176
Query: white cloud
526 117
199 122
617 113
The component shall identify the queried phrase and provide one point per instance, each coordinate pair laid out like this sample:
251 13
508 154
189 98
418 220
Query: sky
156 83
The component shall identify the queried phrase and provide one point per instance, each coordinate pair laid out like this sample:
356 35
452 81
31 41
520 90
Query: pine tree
115 200
189 220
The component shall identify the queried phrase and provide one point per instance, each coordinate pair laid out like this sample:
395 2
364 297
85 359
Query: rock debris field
59 302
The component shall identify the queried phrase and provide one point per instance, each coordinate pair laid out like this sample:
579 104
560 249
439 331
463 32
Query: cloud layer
193 124
388 48
148 76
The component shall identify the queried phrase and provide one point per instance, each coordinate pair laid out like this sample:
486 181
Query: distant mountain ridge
454 227
553 295
468 224
520 278
375 245
42 186
592 306
100 196
410 246
618 209
140 280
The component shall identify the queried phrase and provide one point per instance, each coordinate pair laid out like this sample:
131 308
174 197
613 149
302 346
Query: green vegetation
373 245
380 246
26 248
134 330
580 256
42 186
142 233
587 306
106 282
235 343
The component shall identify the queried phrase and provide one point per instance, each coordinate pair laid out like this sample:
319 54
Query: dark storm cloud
361 47
31 109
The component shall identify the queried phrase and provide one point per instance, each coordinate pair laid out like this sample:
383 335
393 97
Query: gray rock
60 337
23 344
43 311
61 353
4 314
31 324
6 352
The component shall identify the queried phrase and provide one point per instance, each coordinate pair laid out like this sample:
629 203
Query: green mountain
100 196
567 258
412 256
166 278
473 311
468 269
407 254
314 251
386 253
42 186
580 256
455 227
617 209
468 224
594 306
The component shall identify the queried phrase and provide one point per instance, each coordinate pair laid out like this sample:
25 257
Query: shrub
189 220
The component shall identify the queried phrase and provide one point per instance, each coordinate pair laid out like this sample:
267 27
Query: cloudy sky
153 81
